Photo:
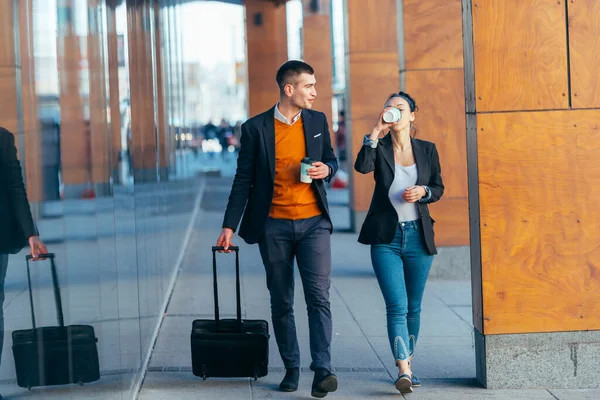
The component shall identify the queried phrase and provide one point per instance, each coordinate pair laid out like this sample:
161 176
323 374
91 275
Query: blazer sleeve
244 178
328 155
365 160
436 185
16 188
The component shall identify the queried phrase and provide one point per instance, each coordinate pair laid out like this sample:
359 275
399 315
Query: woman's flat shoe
415 381
404 384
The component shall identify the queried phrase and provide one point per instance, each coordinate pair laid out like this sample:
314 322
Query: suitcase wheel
204 372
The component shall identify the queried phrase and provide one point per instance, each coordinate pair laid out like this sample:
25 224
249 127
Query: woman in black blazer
398 225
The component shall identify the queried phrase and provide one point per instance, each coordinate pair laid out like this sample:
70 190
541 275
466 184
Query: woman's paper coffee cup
392 115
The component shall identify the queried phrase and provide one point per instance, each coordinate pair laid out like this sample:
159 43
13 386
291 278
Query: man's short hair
291 69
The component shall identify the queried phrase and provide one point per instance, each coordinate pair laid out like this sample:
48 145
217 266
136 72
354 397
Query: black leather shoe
323 383
415 381
290 381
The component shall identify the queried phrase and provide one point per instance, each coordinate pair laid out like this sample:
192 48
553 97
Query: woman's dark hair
413 107
411 102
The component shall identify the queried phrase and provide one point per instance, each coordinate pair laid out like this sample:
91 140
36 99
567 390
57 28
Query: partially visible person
17 228
398 225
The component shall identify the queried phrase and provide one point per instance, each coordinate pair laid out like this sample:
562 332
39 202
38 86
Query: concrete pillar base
564 360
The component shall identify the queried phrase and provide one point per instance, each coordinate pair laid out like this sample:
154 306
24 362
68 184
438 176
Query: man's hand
225 239
318 170
37 247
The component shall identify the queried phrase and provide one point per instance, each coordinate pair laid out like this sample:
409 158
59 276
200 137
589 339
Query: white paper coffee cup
392 115
305 164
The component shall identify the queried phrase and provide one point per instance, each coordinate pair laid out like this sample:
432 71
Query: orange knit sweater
292 199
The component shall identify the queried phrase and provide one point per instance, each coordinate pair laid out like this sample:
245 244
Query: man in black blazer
17 228
288 218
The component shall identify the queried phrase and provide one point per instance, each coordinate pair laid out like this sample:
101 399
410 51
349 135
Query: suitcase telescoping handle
237 283
57 298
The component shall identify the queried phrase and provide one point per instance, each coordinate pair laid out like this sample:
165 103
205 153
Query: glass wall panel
98 118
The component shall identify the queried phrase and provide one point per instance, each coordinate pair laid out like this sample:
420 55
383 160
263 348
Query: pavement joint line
360 328
552 394
459 316
170 289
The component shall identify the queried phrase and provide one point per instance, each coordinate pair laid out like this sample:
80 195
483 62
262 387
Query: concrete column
75 138
144 126
372 74
114 96
431 65
266 35
101 160
318 52
18 113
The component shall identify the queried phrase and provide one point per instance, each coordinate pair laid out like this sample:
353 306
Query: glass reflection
112 194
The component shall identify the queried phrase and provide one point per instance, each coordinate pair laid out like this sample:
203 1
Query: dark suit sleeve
328 157
365 160
244 178
16 188
436 185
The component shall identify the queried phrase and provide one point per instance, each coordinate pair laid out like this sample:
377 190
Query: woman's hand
381 127
414 193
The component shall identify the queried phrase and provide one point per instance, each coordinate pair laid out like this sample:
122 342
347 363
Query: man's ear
288 89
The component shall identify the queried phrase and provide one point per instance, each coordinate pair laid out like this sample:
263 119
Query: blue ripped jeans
402 268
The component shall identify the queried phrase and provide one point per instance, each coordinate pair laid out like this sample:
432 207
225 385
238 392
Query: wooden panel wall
537 179
584 45
267 50
319 53
433 74
539 186
520 55
372 59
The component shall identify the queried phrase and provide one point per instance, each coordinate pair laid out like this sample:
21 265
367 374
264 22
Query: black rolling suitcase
54 355
229 347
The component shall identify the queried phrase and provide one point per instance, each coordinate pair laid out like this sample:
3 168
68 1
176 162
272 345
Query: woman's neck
401 140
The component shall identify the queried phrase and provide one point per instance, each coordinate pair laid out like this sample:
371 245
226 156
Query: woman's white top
404 177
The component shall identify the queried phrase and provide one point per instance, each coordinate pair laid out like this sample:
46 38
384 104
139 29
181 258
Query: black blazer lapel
387 149
313 149
268 135
421 161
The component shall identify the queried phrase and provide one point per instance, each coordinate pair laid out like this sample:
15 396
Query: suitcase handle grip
237 284
48 255
57 297
221 248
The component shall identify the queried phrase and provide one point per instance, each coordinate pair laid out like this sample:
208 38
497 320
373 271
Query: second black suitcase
229 347
54 355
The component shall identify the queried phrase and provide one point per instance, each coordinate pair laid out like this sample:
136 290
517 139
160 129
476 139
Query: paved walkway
444 360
